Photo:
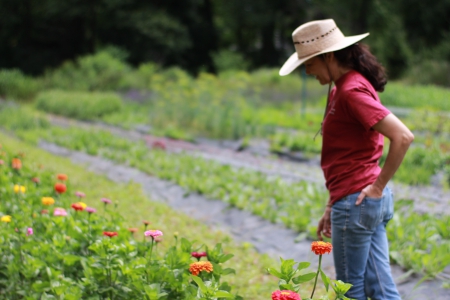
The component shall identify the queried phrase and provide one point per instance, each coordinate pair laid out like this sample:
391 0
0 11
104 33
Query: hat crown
314 37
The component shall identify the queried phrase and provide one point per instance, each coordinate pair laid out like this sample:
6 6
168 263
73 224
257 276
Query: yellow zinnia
6 219
48 201
19 188
84 205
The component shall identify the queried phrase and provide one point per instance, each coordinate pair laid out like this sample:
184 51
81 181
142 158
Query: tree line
212 35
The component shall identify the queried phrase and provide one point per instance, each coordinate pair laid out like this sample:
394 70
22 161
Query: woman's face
317 67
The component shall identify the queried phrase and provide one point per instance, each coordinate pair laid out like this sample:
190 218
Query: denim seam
378 275
344 259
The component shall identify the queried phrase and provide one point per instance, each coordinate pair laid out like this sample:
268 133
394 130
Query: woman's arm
400 138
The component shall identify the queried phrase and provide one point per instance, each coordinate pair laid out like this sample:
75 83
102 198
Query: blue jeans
360 246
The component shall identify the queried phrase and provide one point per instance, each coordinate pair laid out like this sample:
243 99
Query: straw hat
314 38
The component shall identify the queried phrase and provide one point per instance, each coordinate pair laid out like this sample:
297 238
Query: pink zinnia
80 194
60 212
106 201
153 233
29 231
90 210
285 295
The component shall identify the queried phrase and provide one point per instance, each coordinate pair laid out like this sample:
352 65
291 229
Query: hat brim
293 61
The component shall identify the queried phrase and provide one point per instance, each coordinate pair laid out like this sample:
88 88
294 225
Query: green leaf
287 286
275 273
303 265
325 279
223 294
226 257
303 278
200 283
70 259
228 271
287 267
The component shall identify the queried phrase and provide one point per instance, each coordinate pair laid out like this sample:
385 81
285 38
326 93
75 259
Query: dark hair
359 58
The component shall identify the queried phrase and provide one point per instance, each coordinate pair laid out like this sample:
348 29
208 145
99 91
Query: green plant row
78 105
416 96
296 205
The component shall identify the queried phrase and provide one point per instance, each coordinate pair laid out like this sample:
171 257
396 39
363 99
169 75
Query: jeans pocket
371 212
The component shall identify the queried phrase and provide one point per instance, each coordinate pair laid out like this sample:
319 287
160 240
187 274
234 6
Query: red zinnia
35 180
320 248
77 206
60 188
109 233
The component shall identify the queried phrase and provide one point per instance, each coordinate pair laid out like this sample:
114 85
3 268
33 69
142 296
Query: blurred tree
35 35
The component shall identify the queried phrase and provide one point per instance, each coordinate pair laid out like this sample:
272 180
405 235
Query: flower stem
317 276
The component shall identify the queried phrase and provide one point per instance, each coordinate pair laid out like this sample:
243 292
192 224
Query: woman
354 126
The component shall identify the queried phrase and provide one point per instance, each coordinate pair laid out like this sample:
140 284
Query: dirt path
266 237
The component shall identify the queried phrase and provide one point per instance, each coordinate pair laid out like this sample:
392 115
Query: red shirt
351 149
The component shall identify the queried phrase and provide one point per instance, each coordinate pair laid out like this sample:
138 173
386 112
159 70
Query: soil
272 239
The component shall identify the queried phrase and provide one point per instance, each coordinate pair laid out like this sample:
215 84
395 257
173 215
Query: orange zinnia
16 163
197 267
62 177
60 188
320 248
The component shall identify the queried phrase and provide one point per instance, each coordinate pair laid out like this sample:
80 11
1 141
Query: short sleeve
365 107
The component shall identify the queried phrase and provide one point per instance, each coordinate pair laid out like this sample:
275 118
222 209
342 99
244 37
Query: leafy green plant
291 277
16 86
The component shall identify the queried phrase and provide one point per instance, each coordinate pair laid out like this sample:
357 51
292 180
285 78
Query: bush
98 72
17 86
79 105
430 72
225 60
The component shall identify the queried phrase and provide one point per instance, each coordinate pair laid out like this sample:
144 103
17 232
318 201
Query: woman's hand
324 226
369 191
